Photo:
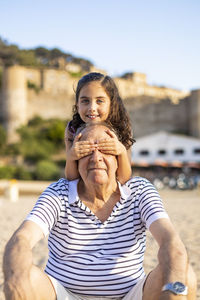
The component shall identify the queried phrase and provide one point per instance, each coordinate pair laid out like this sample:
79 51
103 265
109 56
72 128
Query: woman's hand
80 149
111 146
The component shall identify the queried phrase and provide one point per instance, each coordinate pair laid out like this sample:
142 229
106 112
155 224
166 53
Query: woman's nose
96 155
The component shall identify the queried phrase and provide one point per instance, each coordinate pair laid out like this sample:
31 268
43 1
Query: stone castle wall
28 92
136 85
154 116
194 113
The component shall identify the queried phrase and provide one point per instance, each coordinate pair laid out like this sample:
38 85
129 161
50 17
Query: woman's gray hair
93 124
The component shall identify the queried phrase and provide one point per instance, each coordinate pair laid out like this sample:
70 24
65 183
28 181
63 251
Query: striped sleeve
47 209
150 204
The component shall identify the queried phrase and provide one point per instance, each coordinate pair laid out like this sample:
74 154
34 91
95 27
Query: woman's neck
100 200
96 192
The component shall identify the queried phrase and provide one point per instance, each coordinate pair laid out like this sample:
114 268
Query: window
162 152
144 152
196 151
179 151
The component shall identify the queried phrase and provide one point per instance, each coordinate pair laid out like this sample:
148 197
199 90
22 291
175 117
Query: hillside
11 54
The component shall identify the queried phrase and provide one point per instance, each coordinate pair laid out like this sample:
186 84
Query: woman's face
93 103
97 168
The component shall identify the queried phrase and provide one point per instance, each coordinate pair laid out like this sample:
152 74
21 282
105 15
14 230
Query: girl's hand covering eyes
80 149
111 145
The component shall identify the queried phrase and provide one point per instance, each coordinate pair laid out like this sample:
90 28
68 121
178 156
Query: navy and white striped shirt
90 257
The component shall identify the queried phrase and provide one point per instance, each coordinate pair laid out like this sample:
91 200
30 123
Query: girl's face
93 103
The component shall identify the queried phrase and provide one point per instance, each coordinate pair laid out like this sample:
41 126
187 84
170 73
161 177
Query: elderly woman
96 233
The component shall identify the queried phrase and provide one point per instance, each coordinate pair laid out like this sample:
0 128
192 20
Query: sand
182 206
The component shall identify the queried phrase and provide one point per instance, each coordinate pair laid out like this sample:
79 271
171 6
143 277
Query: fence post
12 191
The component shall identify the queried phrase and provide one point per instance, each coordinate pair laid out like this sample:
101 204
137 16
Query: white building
166 149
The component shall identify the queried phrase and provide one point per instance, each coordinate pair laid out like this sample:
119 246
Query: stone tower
14 100
194 113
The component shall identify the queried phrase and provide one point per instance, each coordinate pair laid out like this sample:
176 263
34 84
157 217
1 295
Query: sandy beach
182 206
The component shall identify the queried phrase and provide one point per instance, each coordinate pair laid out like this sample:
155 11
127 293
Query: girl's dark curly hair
118 117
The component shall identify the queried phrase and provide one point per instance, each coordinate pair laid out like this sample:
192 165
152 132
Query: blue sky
159 38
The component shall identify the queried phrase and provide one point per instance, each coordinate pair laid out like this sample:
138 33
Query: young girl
97 99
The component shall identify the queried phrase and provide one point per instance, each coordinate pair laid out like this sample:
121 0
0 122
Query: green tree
34 150
3 139
47 170
23 173
36 121
41 138
7 172
27 58
8 53
55 53
40 152
43 55
55 132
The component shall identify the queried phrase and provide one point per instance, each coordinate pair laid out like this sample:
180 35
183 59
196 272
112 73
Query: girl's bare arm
124 171
74 151
71 168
